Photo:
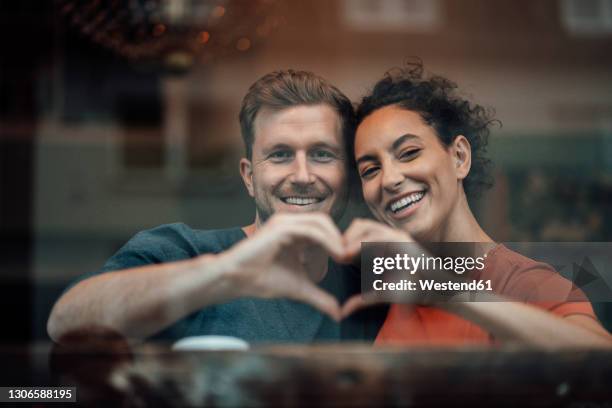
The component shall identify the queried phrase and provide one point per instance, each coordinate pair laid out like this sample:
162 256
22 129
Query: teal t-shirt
252 319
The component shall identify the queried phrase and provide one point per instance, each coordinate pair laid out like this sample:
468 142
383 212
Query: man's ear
246 172
462 156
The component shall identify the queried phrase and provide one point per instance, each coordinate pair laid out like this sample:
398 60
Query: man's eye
323 155
409 154
280 155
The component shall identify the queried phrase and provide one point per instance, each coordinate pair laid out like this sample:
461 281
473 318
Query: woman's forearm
526 324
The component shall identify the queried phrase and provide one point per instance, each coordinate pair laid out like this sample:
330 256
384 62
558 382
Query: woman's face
410 180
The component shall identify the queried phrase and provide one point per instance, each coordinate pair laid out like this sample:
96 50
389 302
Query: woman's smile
409 178
406 205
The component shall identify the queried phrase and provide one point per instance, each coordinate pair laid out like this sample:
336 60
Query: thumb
351 254
357 302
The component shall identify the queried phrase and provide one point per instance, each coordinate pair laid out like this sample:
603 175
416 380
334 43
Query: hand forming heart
288 256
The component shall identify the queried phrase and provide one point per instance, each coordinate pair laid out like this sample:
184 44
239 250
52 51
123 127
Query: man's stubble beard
262 213
264 208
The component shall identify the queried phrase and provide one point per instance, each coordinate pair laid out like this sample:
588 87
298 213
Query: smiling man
270 281
298 163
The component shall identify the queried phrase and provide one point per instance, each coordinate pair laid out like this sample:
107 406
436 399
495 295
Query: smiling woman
419 148
423 127
411 180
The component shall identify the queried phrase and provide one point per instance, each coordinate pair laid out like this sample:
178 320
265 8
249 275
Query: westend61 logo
526 271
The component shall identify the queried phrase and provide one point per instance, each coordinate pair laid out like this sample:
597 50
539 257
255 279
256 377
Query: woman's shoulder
503 259
522 278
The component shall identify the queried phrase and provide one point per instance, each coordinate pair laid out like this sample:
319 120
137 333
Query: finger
316 235
352 251
319 299
352 239
318 227
375 231
319 218
353 304
357 302
356 228
371 231
331 233
355 234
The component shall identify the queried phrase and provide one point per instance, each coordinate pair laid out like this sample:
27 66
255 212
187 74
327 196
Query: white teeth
301 200
406 201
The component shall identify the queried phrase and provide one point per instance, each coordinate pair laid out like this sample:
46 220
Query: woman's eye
323 155
409 154
368 172
280 155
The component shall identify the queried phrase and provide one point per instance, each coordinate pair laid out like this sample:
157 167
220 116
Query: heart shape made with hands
364 230
288 255
361 231
308 240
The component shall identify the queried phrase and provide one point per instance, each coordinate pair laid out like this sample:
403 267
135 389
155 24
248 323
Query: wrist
229 272
456 305
214 278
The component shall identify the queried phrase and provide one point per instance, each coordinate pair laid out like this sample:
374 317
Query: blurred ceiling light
204 37
243 44
171 32
392 15
159 29
218 12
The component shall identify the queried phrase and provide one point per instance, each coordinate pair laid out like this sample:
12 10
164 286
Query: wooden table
332 375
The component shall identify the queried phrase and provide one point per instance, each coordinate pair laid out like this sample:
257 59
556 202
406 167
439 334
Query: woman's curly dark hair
440 105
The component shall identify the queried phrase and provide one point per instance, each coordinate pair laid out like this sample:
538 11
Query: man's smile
302 201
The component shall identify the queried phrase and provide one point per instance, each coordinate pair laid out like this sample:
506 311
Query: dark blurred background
116 116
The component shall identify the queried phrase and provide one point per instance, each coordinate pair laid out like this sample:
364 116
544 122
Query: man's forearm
140 302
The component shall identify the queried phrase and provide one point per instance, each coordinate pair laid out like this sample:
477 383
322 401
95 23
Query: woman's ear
246 172
462 155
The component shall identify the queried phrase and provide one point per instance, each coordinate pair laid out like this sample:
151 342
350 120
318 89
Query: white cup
211 343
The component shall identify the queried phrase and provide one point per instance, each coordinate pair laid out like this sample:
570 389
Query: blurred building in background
116 116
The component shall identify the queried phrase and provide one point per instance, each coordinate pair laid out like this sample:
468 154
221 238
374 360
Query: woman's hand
394 242
365 230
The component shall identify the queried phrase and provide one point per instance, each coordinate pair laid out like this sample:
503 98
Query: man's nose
302 173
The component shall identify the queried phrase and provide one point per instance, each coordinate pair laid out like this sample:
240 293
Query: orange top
512 275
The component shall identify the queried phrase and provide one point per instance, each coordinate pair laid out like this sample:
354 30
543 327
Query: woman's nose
392 177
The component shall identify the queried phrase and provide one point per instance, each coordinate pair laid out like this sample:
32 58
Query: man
258 282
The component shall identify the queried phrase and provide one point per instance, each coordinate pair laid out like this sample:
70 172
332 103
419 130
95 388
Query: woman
419 151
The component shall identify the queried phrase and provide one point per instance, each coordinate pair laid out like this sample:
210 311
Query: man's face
298 162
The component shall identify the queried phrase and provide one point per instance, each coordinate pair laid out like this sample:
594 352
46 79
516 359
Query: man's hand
286 258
